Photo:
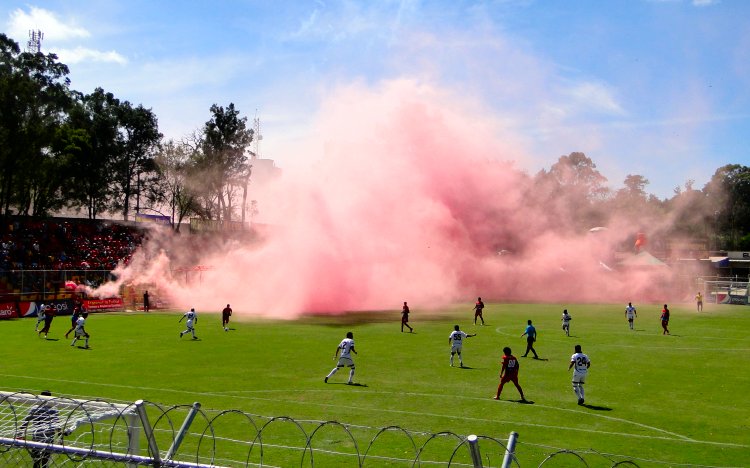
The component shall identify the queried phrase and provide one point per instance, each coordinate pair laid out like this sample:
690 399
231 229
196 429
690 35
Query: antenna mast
35 41
258 136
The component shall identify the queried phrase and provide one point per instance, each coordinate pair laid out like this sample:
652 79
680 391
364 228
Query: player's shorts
579 377
404 319
225 316
478 313
81 334
630 319
345 362
456 349
189 324
566 326
510 378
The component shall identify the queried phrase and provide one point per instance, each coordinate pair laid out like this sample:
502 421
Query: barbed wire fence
62 431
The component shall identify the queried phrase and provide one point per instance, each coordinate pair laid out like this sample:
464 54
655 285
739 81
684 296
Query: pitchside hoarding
10 310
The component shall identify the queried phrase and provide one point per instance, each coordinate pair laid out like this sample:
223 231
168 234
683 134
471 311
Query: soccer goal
46 430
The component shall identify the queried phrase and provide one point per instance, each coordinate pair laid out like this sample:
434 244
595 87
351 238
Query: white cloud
596 97
82 54
702 3
21 22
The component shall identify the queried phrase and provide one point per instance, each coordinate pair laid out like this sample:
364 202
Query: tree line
95 153
63 149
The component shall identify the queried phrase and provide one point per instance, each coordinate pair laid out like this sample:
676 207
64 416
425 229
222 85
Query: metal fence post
510 450
148 430
476 458
183 430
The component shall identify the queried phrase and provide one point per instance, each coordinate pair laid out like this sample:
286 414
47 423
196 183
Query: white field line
674 436
499 331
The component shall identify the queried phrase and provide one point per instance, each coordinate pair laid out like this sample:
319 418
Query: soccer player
192 319
225 314
478 307
49 314
39 317
345 360
405 318
509 373
530 334
146 302
77 310
699 302
630 314
456 340
665 320
581 363
80 330
566 318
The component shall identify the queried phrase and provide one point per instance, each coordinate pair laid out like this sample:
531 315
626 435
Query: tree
728 196
34 96
174 163
575 189
138 137
223 160
96 115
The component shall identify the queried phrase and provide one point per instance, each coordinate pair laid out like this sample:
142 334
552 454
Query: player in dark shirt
478 307
665 320
509 373
225 314
405 318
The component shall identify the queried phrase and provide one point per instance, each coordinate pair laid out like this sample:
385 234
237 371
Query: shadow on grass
345 384
52 339
597 408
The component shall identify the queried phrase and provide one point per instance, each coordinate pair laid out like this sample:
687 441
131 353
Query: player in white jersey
345 360
580 364
39 316
80 331
456 340
566 318
192 320
630 314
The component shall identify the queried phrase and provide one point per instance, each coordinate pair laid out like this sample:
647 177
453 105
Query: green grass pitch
679 399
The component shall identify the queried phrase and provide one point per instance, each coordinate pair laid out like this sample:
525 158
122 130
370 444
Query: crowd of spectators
66 244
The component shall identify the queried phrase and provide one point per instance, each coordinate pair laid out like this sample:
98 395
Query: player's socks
351 375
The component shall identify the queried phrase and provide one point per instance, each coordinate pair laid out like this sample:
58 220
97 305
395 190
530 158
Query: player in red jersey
478 307
225 314
665 320
405 318
509 373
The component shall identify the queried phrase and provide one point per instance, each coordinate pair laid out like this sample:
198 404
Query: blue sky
659 88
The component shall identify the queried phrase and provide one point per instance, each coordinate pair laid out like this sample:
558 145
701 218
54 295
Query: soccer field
654 399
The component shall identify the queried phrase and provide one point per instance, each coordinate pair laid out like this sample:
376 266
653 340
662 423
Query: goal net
45 430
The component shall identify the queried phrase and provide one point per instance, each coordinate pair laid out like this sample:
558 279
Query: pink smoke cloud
405 192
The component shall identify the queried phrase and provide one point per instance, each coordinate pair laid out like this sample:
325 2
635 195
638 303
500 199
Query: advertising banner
8 310
104 304
61 306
